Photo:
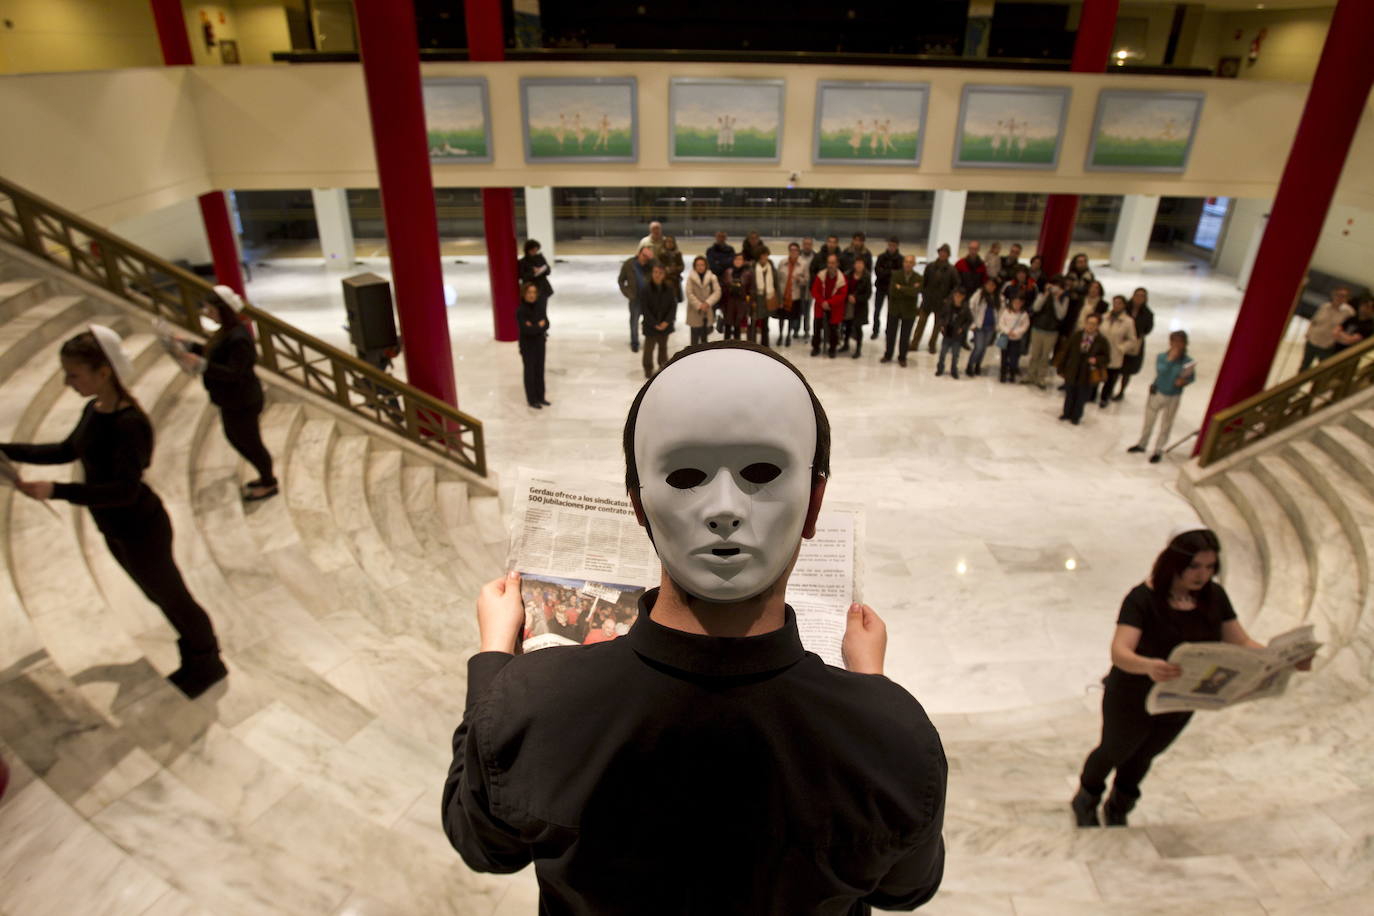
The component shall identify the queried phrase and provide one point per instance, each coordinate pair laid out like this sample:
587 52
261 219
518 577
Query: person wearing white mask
114 443
225 362
734 772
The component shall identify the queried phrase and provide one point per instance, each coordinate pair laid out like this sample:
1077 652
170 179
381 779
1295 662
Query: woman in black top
535 269
226 362
1179 603
860 290
533 322
114 442
1139 308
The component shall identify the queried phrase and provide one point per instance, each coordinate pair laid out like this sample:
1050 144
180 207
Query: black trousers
1075 396
147 558
898 334
1110 385
532 355
831 332
1131 740
700 335
879 297
242 430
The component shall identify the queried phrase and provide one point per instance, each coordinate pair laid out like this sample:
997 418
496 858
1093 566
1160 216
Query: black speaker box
371 323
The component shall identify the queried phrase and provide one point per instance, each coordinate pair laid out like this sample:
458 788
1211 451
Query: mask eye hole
761 472
686 478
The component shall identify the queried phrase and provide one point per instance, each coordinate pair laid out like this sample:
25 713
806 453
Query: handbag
1097 376
1002 341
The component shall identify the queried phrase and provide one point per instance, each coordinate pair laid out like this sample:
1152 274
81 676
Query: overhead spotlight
961 567
1070 564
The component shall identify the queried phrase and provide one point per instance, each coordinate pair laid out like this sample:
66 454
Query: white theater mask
724 443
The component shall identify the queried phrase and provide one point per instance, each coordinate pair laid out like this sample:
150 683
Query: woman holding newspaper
1180 602
226 362
114 443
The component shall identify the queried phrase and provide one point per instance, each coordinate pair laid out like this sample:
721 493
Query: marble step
1243 572
1336 595
1288 590
1353 453
19 293
1361 422
419 492
54 318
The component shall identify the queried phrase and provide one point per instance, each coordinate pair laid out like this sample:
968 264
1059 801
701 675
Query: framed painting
457 120
1011 127
869 123
725 120
580 120
1142 131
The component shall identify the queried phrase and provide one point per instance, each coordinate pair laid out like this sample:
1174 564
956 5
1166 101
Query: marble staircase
309 782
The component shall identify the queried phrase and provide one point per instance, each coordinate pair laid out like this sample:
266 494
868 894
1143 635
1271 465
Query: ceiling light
1070 564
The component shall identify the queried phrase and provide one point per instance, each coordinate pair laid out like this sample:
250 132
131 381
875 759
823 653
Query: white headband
231 298
113 349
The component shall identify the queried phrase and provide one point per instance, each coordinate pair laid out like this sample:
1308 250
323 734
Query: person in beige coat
703 292
1119 329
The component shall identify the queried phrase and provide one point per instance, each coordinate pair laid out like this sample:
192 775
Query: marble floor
1002 539
999 545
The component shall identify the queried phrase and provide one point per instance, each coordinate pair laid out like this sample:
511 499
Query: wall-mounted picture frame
1011 127
580 120
869 123
725 120
1136 130
228 51
457 119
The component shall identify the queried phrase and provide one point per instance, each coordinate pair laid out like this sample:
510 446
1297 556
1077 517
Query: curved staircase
309 783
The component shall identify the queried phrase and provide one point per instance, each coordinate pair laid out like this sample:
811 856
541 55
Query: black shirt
1162 628
114 448
527 265
229 377
671 773
527 318
1356 325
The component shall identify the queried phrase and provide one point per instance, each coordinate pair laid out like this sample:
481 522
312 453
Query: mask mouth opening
725 551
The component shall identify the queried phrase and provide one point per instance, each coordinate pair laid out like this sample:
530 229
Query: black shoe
887 359
831 354
954 374
855 354
940 371
787 342
1156 458
198 674
1102 403
902 363
1117 397
815 351
1134 449
1076 421
875 336
546 403
1085 808
1063 416
1115 810
634 348
258 491
534 405
931 351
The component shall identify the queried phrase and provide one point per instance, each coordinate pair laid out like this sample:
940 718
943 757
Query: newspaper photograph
584 562
174 347
1217 674
9 477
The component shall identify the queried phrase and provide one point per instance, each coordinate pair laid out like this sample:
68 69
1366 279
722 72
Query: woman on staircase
1180 602
226 362
114 442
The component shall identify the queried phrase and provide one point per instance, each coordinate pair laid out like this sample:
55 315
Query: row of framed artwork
857 123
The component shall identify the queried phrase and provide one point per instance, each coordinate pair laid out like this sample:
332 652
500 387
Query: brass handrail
1277 408
166 291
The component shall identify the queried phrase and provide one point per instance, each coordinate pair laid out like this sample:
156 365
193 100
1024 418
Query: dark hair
1179 335
1074 260
1176 558
1036 257
702 260
528 284
942 248
530 245
860 236
85 349
763 250
820 461
893 238
1056 280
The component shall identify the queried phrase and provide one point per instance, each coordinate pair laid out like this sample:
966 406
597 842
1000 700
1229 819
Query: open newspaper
584 562
1218 674
175 348
9 477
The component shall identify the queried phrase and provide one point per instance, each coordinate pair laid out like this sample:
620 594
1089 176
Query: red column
1091 51
170 19
391 71
498 221
224 247
487 42
1335 102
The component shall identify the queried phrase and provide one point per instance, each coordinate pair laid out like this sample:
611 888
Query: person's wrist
497 644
